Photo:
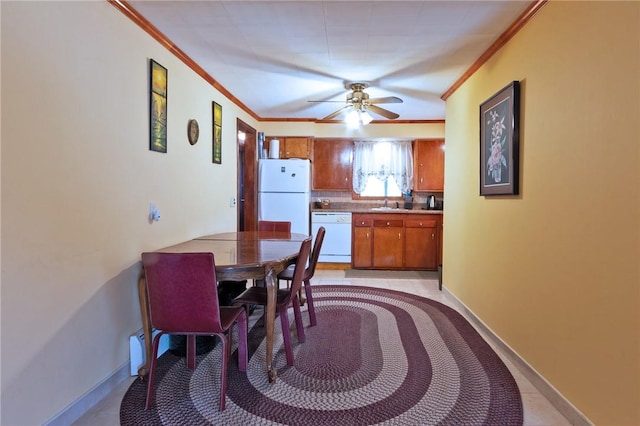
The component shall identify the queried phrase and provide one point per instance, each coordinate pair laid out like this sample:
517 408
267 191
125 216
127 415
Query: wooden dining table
238 256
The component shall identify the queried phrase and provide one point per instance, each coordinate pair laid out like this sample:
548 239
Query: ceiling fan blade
383 112
326 101
386 100
337 113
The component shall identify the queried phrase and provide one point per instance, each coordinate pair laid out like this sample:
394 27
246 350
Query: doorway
247 185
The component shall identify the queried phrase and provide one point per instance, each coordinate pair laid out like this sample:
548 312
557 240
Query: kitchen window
382 168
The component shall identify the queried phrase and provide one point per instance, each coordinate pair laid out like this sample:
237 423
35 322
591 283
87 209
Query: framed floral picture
500 142
158 107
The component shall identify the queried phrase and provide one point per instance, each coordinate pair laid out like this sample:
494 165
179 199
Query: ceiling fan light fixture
365 118
358 104
358 117
353 119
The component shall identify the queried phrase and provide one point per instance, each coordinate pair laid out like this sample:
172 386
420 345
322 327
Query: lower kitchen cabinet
421 244
388 243
395 241
362 238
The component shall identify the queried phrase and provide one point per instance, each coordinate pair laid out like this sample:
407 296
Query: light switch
154 213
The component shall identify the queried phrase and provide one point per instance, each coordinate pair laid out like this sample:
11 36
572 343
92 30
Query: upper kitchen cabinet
331 164
428 166
293 146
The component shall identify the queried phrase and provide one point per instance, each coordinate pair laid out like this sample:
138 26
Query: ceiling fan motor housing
360 102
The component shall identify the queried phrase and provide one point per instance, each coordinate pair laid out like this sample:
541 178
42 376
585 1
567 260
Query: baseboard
79 407
333 265
563 405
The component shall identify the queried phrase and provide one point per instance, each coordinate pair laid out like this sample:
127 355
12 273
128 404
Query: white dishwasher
336 246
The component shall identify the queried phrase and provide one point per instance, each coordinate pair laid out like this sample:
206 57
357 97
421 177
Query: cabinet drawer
420 223
383 223
358 222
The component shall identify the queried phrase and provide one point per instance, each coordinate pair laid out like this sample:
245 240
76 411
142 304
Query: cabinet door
331 165
361 253
429 165
297 147
421 244
388 244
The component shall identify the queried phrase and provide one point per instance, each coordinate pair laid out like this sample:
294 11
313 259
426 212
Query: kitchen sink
383 208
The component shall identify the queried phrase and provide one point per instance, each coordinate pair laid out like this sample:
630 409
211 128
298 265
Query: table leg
143 371
272 287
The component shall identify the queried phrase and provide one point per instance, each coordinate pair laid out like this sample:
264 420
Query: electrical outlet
232 202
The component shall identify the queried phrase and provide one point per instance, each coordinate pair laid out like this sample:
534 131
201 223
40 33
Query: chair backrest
182 292
298 272
275 226
315 253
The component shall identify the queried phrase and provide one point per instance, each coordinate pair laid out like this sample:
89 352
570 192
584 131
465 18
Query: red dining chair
287 274
274 226
183 300
284 298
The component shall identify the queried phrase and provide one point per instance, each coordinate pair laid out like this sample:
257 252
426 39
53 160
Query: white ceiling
275 56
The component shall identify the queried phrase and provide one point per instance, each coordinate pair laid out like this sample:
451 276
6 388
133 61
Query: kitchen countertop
356 208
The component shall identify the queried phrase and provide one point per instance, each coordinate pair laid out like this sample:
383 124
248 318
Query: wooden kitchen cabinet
388 243
331 164
396 241
362 238
428 168
292 146
421 243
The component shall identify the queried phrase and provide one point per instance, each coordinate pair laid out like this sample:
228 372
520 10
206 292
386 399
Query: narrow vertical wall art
158 107
217 133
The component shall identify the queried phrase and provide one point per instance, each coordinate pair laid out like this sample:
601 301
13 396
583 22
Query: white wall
77 180
374 130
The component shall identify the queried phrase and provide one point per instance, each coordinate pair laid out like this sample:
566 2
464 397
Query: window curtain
381 160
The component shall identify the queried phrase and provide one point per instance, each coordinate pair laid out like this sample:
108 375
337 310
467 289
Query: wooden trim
299 120
124 7
525 17
439 121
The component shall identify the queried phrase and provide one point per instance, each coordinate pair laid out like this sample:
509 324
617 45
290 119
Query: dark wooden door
247 180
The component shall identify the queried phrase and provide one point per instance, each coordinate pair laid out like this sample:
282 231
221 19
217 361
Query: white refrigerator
284 192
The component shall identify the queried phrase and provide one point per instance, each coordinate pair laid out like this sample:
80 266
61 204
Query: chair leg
152 370
310 308
191 351
298 316
223 371
286 335
243 352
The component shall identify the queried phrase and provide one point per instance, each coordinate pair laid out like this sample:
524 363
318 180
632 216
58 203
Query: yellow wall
555 271
77 180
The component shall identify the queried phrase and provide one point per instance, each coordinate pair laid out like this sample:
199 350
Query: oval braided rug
376 357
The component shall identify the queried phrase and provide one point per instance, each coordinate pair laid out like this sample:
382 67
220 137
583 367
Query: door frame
246 181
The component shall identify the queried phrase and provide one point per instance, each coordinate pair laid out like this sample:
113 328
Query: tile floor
538 411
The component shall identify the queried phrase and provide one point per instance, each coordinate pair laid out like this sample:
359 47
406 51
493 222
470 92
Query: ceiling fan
359 103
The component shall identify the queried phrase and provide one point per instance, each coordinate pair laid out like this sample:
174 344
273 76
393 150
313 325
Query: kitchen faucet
385 203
